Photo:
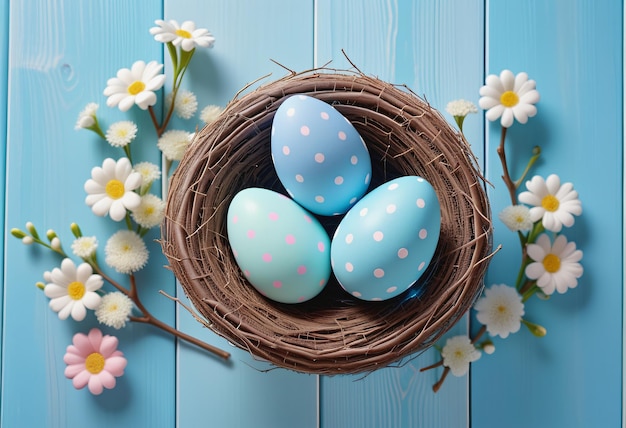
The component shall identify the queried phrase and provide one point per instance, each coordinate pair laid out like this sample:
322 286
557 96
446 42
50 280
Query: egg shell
385 242
282 250
319 157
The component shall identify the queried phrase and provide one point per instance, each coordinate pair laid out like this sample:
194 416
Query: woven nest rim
333 333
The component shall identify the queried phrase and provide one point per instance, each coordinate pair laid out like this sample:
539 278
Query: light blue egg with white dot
386 241
319 157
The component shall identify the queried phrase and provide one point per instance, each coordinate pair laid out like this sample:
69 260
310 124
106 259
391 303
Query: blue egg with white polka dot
386 241
319 156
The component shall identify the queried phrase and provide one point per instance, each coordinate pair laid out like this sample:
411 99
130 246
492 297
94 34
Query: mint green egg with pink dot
281 248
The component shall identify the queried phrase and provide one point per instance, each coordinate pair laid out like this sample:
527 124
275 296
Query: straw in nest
333 333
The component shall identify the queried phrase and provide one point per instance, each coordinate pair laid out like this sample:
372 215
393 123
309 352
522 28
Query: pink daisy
94 361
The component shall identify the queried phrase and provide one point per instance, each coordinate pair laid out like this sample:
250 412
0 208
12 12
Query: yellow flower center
136 87
183 33
551 263
550 203
76 290
501 309
114 189
509 99
94 363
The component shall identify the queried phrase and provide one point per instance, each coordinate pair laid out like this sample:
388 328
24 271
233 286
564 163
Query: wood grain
572 377
55 57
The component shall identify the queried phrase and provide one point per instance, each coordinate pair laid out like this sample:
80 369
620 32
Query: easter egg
282 250
385 242
319 157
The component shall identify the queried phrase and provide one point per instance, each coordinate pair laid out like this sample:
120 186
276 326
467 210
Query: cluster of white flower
550 262
121 189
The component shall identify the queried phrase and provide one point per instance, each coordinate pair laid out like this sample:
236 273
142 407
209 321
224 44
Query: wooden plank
248 35
572 377
436 48
62 52
4 87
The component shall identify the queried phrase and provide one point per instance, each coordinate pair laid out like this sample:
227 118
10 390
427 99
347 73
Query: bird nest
333 333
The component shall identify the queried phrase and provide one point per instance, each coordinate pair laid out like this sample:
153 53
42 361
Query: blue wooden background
56 56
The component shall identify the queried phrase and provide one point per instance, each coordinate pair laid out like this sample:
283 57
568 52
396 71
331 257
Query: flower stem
506 177
438 384
482 331
531 162
148 318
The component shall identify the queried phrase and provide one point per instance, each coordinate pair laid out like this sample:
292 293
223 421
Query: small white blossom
150 211
72 289
186 103
114 310
185 35
149 172
458 353
135 86
553 203
210 113
489 348
87 117
516 218
85 246
501 310
121 133
510 97
555 266
461 108
126 252
110 190
173 144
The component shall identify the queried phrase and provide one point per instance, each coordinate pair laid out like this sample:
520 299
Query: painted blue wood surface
4 57
572 377
242 392
62 52
55 68
436 49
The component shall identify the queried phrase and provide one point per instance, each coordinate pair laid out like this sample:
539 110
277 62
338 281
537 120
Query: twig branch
506 177
148 318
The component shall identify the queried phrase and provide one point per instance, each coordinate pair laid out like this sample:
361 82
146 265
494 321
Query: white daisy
555 266
126 252
510 97
135 86
173 144
114 310
149 172
186 35
110 188
87 117
121 133
210 113
553 203
458 353
85 246
516 218
461 108
501 310
186 103
72 289
150 211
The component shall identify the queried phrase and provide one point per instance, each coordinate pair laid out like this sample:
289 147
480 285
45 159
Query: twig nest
334 332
